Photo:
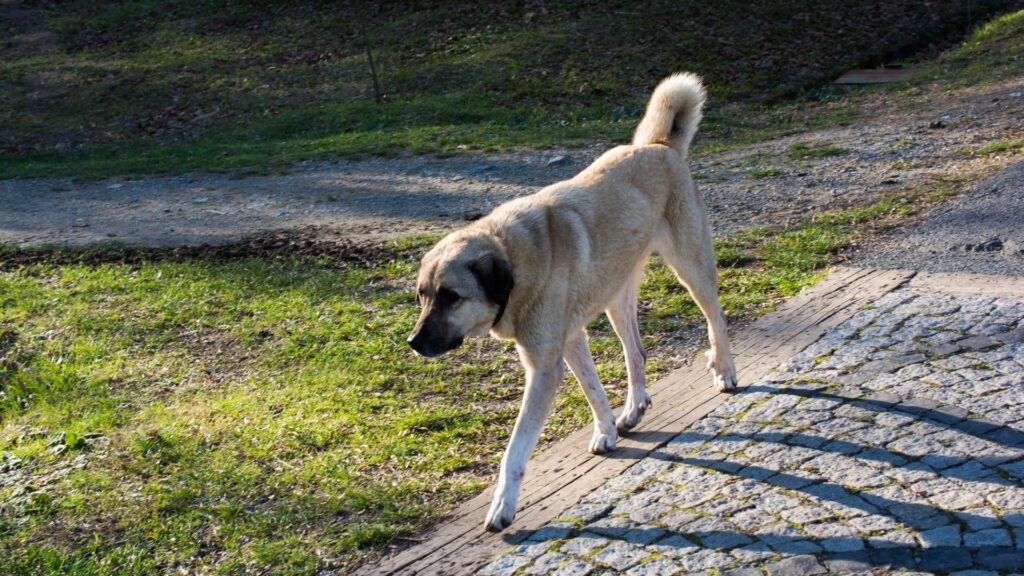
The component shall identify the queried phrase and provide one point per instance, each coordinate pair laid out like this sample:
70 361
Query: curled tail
673 113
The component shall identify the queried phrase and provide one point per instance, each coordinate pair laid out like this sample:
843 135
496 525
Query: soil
312 243
980 232
356 202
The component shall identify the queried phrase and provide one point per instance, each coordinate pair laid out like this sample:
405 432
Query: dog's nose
415 341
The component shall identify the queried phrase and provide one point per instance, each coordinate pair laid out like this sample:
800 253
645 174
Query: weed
764 173
902 144
803 151
1001 147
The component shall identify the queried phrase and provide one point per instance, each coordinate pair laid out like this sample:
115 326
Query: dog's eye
448 295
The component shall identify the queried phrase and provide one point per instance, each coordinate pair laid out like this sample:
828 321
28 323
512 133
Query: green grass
804 151
991 54
137 87
758 173
265 414
1000 147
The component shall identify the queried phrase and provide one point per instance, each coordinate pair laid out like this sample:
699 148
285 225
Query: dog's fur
537 269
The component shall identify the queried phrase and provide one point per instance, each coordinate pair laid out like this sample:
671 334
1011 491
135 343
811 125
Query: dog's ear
495 275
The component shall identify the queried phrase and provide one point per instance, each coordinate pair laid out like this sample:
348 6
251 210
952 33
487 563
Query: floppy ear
495 275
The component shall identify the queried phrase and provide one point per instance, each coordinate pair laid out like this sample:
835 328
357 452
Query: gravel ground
893 148
894 443
981 232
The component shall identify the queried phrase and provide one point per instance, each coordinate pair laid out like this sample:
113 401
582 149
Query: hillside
95 89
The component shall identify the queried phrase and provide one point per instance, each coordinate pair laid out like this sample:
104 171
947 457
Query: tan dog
537 269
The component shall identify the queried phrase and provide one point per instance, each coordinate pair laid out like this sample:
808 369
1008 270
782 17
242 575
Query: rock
795 566
945 559
561 160
991 245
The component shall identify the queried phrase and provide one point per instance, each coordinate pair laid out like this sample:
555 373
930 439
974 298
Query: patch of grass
412 242
1001 147
803 151
755 159
994 52
270 403
136 87
902 144
763 173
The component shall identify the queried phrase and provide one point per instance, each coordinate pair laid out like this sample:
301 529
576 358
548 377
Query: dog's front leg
541 384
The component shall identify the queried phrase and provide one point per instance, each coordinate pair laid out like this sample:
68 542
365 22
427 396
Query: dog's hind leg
542 380
622 314
693 261
577 356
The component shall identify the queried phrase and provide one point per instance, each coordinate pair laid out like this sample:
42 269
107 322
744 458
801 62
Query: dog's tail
673 113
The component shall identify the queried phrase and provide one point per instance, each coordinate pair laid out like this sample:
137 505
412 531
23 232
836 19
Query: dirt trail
980 232
892 148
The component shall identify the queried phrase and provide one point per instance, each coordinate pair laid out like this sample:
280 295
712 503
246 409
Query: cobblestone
866 452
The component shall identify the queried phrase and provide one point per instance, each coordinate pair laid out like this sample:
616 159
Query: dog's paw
725 381
633 413
500 515
602 443
723 371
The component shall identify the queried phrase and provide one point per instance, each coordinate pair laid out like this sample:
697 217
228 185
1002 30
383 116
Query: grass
991 54
139 87
264 414
1000 147
804 151
758 173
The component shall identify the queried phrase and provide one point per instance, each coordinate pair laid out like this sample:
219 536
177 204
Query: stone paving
894 444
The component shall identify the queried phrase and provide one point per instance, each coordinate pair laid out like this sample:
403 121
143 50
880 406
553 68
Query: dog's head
463 287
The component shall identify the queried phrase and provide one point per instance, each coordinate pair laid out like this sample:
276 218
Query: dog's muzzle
425 345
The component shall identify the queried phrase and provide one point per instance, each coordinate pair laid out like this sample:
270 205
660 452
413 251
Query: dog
539 268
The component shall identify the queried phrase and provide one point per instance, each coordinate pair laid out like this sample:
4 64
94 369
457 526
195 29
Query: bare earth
893 148
980 232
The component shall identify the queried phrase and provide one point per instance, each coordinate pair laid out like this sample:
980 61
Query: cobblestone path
894 444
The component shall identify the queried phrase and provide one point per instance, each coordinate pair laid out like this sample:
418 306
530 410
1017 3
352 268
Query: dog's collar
501 312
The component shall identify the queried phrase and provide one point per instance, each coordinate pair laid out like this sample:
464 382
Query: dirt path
893 148
980 232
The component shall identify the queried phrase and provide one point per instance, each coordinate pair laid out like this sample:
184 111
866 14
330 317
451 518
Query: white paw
723 373
725 382
602 443
633 413
501 514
